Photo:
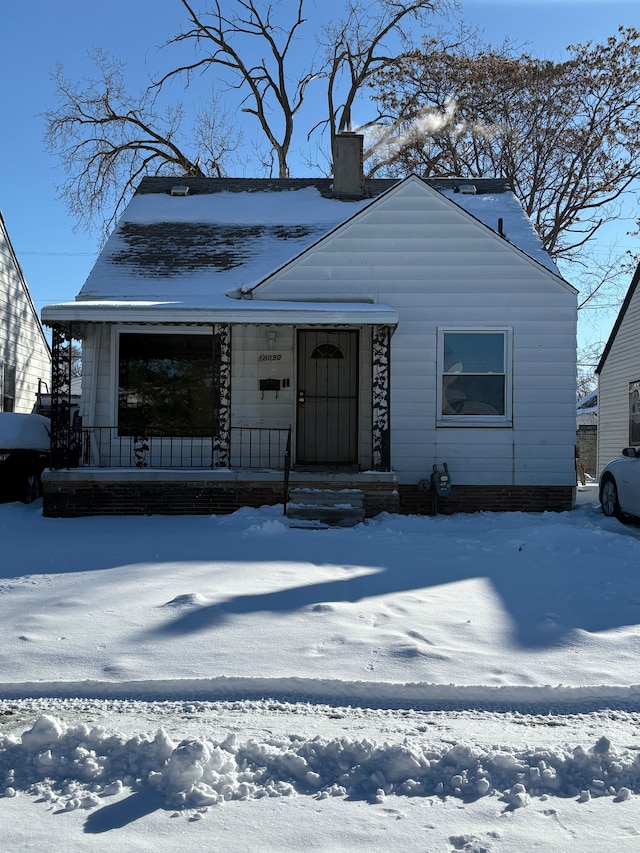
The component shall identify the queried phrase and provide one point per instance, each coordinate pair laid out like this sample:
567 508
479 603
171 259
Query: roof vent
467 189
180 189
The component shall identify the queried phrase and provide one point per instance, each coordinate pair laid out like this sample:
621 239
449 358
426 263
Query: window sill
476 422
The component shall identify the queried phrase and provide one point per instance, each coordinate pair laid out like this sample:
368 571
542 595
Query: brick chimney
348 168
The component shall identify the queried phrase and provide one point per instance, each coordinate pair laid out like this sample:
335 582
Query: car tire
31 489
609 498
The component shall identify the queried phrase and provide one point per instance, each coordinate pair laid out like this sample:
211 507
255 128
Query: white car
620 484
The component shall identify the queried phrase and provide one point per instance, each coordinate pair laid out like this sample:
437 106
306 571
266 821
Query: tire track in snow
377 695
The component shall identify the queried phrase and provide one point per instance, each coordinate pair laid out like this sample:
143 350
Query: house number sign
270 356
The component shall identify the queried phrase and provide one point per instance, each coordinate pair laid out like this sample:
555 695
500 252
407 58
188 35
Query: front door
327 424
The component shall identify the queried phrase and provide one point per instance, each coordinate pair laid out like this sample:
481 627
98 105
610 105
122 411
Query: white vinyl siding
440 268
22 342
621 367
250 406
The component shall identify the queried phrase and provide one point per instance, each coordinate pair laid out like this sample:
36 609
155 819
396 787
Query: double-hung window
634 413
474 377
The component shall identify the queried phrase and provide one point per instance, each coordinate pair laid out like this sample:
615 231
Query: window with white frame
474 370
634 413
7 387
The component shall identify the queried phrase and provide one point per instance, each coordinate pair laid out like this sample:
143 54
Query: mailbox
269 385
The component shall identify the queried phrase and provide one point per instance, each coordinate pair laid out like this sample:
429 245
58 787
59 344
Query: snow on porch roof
225 236
223 310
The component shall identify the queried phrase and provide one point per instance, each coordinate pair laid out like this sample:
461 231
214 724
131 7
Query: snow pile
77 766
24 432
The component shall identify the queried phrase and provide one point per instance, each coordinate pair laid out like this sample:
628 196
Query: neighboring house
587 409
619 381
587 433
43 404
25 357
389 326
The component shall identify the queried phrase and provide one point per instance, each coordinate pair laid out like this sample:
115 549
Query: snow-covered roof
502 212
587 409
205 248
589 402
200 247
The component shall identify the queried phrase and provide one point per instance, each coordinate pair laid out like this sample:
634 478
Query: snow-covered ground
465 683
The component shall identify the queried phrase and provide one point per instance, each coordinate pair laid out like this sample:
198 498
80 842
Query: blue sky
37 35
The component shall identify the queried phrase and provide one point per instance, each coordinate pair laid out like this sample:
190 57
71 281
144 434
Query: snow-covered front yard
431 684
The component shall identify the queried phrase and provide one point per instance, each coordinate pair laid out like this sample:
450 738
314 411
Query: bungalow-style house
246 336
25 356
619 380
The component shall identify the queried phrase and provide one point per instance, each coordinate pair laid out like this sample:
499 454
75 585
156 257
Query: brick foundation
73 498
488 499
69 498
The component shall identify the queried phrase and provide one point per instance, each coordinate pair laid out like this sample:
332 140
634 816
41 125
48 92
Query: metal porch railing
250 447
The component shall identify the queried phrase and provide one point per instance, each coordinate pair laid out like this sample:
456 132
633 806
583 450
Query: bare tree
228 42
351 52
76 361
107 140
564 134
588 358
250 53
356 49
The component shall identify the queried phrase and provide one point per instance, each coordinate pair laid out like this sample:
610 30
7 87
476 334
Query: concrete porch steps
318 508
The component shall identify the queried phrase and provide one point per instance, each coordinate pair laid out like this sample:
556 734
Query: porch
213 455
102 472
88 491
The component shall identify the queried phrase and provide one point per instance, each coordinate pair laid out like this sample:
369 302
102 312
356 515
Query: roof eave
619 319
245 312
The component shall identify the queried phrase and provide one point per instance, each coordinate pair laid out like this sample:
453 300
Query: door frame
301 383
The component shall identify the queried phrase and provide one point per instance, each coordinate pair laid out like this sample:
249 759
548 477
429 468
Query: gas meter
441 481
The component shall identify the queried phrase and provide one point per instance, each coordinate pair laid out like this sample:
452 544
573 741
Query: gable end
619 319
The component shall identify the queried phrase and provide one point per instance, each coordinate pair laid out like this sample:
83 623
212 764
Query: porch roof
224 310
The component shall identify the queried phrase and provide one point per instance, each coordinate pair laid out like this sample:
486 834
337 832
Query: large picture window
165 384
474 377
